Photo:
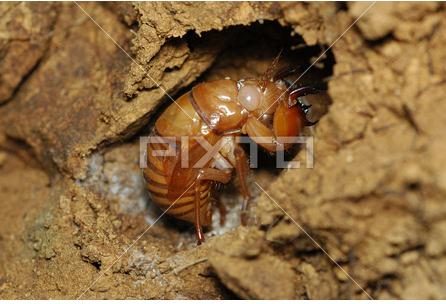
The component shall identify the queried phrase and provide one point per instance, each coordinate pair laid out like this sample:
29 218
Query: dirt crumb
242 276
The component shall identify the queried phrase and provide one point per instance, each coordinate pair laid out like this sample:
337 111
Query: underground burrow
249 52
373 201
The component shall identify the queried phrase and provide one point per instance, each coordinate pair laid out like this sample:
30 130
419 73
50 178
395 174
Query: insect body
219 112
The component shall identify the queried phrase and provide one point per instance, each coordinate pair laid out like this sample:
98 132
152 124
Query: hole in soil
249 52
97 265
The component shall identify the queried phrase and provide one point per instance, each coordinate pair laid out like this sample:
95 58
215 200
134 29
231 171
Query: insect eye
249 96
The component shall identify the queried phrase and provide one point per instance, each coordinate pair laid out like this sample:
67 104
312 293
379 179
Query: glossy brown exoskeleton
222 110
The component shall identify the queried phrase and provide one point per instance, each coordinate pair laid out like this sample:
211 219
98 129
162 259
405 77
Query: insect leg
299 92
261 134
222 210
198 230
302 96
242 169
210 174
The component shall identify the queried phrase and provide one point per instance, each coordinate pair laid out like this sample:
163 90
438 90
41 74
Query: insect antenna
270 71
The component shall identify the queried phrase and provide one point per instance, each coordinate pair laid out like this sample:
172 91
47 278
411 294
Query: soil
369 220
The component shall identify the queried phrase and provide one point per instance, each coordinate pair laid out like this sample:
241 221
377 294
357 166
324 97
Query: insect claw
200 237
306 109
244 214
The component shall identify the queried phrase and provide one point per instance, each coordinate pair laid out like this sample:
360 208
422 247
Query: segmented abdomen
158 178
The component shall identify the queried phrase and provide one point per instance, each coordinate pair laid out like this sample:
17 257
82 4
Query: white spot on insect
214 119
249 96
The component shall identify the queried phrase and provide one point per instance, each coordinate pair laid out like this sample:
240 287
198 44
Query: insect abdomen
159 171
183 207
